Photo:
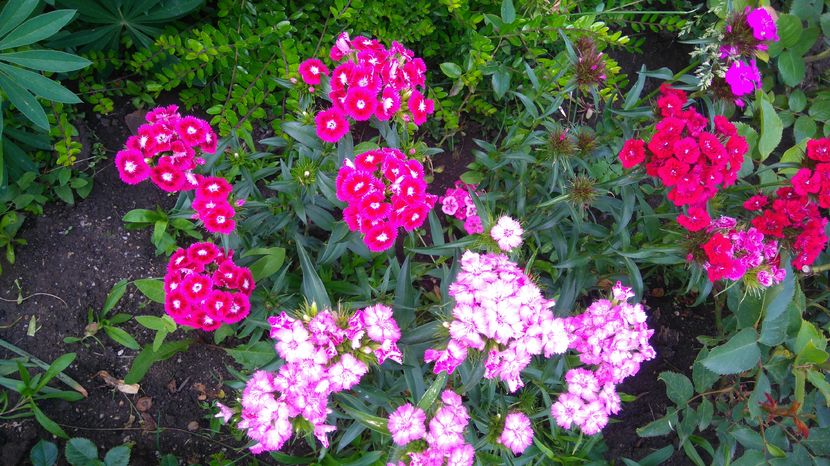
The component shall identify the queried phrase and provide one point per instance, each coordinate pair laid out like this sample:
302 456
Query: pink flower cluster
205 289
734 253
747 33
323 354
384 191
612 336
164 150
692 162
370 80
498 309
456 202
445 438
212 205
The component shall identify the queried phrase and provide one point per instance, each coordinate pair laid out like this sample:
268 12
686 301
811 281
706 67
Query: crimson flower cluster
792 214
735 253
458 203
692 162
324 353
370 80
384 190
205 289
164 150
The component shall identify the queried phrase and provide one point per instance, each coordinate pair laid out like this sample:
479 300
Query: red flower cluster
212 206
372 81
794 214
205 289
384 190
692 162
164 150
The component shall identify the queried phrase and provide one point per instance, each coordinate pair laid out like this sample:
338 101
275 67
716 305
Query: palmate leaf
113 19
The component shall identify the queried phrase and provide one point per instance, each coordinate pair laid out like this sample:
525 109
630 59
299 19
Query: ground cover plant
451 233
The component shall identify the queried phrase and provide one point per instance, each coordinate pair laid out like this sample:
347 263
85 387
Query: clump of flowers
792 215
458 203
369 81
736 253
212 204
747 34
444 439
507 233
611 336
324 353
165 150
384 191
205 289
690 161
500 311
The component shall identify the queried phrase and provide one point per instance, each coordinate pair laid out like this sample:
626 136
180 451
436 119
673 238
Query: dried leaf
193 426
118 384
144 404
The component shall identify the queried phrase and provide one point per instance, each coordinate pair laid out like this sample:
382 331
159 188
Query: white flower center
167 176
220 219
331 124
191 130
361 104
382 237
130 167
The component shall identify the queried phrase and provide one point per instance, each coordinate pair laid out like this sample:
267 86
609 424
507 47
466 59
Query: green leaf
14 13
152 288
809 333
46 60
304 134
81 452
151 322
147 357
114 296
426 401
118 456
65 194
679 388
48 424
44 454
771 129
508 11
797 100
501 82
313 288
789 30
378 424
738 354
40 85
451 70
141 216
659 427
57 366
804 128
269 264
121 337
24 101
820 382
791 66
38 28
253 356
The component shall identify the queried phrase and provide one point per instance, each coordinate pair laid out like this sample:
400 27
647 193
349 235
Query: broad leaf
738 354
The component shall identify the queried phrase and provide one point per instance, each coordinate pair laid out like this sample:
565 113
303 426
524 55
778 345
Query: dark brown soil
76 254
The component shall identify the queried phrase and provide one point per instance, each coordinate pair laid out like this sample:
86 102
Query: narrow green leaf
24 101
121 337
508 11
57 366
38 28
152 288
114 296
147 357
14 13
46 60
313 288
40 85
48 424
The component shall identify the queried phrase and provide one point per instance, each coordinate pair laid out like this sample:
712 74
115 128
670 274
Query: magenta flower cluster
612 337
445 437
500 311
456 202
735 253
747 33
370 81
323 354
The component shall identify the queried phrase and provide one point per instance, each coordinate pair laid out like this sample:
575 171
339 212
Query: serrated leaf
679 388
739 354
44 453
81 452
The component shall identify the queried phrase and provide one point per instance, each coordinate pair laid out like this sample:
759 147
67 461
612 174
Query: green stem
817 57
719 314
677 75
